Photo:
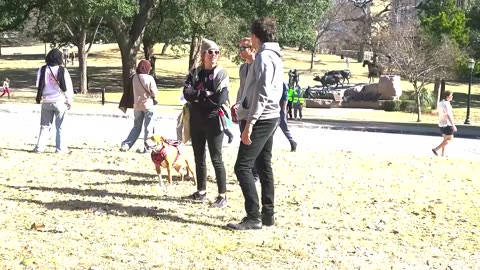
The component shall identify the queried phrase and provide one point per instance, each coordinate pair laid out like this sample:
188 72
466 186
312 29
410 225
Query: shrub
407 105
391 105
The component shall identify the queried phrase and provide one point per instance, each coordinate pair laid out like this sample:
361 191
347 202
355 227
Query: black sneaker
293 145
268 220
220 202
197 197
246 224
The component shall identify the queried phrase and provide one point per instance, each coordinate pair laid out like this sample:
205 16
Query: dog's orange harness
158 156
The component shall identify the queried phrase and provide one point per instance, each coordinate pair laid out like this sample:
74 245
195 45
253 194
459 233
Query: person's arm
216 99
189 93
69 85
264 72
153 87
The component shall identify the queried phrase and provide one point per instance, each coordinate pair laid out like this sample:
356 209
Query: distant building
405 11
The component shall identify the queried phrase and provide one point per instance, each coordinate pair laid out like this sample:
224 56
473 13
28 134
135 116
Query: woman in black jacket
206 88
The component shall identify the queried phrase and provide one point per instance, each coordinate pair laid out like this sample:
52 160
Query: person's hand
202 94
247 131
234 112
454 128
68 105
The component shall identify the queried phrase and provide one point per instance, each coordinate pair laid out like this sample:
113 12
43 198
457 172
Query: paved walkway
310 121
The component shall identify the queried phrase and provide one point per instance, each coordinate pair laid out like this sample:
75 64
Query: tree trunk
129 38
300 48
82 62
312 59
419 105
436 92
194 50
361 53
164 48
442 88
148 48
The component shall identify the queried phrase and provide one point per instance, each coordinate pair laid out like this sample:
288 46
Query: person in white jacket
55 93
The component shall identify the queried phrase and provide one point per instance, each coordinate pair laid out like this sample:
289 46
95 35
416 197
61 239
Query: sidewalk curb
327 124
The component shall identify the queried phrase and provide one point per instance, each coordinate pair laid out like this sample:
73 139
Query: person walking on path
55 93
445 122
247 53
283 118
144 92
6 88
259 117
347 62
206 88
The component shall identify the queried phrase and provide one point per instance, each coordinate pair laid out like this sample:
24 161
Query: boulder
389 86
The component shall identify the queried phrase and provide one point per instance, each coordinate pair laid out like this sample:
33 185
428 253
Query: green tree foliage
13 13
75 22
444 18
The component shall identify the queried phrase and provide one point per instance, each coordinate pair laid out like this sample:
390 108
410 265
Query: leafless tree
366 25
419 58
330 25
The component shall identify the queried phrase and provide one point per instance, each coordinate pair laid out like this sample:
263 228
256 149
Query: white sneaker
124 148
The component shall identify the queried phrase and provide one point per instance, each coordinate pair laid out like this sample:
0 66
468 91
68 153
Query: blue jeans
140 119
48 113
259 152
284 126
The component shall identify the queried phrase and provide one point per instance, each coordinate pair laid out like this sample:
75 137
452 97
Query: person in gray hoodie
258 114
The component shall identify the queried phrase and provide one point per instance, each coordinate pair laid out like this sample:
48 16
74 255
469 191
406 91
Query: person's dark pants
254 169
284 126
258 153
297 107
211 134
289 109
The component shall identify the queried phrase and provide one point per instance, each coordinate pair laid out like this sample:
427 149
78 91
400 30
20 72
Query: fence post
103 96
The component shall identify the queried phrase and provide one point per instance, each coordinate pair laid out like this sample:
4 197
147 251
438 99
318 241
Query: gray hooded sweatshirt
264 85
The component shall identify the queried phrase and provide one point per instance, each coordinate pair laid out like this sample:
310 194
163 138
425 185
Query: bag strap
61 90
149 92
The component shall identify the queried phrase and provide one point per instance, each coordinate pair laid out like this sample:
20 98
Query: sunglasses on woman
211 52
243 48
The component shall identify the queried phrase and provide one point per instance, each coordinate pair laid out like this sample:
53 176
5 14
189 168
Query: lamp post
470 65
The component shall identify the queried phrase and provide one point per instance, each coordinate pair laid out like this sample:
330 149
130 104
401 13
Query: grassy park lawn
105 72
102 209
98 208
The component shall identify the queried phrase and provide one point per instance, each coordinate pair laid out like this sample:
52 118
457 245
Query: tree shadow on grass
87 192
175 177
460 100
23 57
116 172
18 150
115 209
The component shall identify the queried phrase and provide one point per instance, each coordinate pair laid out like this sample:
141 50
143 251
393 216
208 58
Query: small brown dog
166 154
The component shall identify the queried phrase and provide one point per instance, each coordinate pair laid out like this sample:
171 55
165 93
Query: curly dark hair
265 29
446 94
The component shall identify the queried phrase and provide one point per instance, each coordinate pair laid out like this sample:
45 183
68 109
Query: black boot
293 146
247 223
268 220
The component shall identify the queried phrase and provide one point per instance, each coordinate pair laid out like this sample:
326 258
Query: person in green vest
290 101
298 101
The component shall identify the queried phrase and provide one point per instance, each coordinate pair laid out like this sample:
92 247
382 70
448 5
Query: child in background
6 89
